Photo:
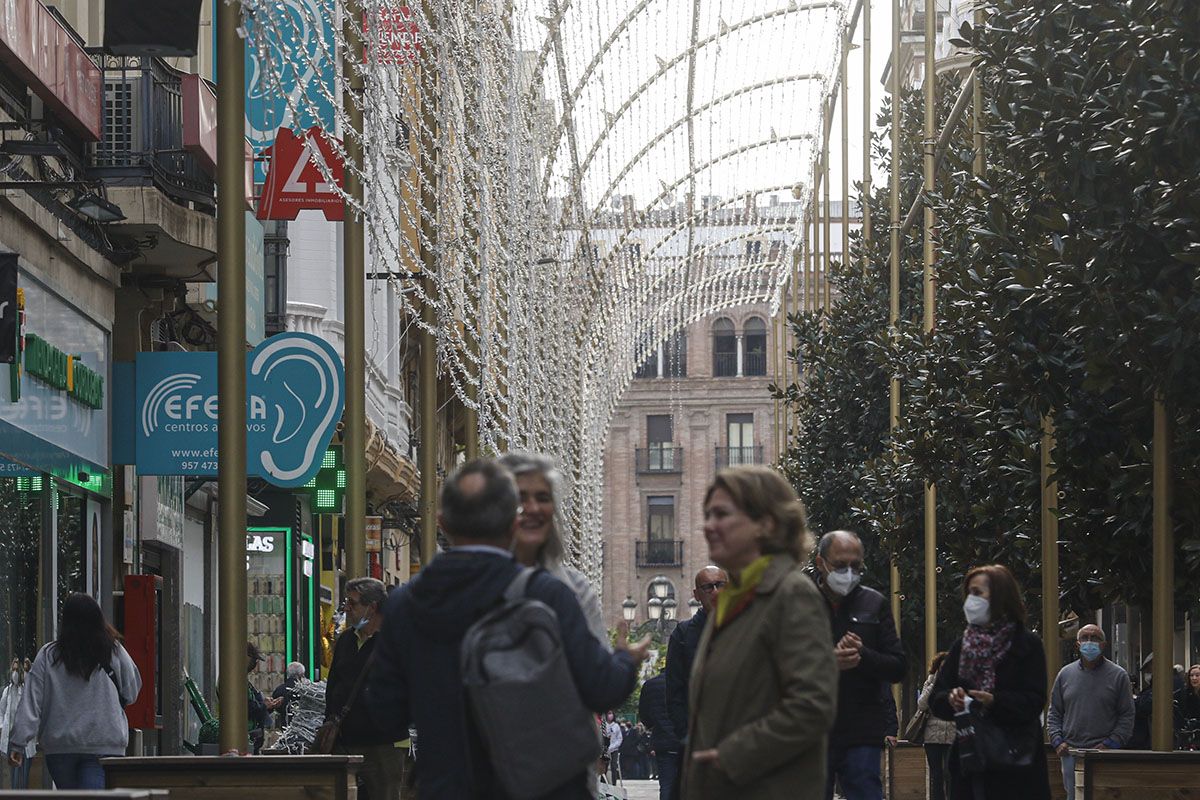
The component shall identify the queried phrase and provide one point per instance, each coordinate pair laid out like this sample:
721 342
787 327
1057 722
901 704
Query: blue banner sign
295 391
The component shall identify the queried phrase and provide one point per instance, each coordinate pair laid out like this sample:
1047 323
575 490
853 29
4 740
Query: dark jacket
1020 696
681 654
864 693
284 690
652 712
418 680
358 727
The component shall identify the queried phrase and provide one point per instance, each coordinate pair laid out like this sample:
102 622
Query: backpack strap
517 588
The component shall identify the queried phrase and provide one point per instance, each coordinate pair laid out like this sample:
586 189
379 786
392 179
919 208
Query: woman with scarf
999 664
764 685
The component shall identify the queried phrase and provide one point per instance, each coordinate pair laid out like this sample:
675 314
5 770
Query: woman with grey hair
538 541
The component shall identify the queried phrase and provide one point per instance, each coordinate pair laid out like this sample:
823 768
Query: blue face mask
1089 650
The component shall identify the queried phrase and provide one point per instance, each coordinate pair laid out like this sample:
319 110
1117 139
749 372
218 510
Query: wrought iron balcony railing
659 553
656 459
736 456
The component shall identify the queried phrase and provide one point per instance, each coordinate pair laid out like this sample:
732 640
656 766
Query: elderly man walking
869 658
1091 704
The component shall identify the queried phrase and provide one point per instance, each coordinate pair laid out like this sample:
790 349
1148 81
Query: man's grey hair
295 669
486 514
1099 630
519 463
370 590
828 539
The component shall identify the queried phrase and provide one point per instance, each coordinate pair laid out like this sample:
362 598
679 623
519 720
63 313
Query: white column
660 359
741 350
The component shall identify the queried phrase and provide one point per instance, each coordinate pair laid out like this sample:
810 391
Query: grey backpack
537 731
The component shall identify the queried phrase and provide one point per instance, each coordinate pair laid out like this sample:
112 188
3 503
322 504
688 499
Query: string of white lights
588 178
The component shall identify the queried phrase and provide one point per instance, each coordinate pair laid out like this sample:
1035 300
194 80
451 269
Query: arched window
724 348
756 347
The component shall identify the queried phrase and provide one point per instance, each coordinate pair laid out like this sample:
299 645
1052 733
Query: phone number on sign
198 465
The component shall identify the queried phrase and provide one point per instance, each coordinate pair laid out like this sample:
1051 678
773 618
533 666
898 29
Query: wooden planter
1136 775
904 771
222 777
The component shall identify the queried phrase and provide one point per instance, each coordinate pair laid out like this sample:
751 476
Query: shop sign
35 45
294 397
292 57
64 372
374 529
9 312
260 543
297 178
396 41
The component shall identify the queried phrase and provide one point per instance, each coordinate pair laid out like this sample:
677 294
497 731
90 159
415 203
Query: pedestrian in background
1188 701
869 658
936 736
537 541
74 698
616 737
256 705
354 656
1001 665
10 701
631 757
281 698
664 741
1091 705
418 676
681 647
764 687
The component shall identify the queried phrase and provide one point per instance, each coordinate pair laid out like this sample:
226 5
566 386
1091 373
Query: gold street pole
826 179
427 387
894 259
1163 577
1050 610
354 281
815 250
930 87
866 138
231 377
845 98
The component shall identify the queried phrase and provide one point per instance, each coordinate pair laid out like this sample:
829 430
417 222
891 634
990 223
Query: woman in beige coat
763 691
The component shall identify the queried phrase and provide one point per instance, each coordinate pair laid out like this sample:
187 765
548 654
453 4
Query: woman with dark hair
75 696
763 689
999 664
10 701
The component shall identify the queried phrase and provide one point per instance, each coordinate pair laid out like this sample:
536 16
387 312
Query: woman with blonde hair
763 690
538 540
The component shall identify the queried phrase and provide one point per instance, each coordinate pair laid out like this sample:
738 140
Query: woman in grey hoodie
75 697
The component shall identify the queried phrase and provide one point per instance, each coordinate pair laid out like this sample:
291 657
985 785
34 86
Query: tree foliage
1068 288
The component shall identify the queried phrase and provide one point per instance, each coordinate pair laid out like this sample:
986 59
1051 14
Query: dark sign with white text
9 313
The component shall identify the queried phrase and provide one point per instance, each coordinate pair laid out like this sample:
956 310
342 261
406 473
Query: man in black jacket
418 678
382 771
681 647
870 658
652 712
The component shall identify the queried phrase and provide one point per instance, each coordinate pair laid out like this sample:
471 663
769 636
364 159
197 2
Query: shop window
20 542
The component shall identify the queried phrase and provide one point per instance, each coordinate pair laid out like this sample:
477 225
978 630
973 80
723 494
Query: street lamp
654 607
668 608
660 587
629 609
693 607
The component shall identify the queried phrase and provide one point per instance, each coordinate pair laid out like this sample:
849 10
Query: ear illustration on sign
302 376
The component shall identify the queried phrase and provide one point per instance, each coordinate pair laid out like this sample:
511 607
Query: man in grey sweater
1091 705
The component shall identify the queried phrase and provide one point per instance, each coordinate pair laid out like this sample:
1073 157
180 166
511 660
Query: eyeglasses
715 586
347 602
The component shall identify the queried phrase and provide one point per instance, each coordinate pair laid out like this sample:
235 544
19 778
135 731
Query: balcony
756 364
724 365
737 456
659 553
163 188
659 460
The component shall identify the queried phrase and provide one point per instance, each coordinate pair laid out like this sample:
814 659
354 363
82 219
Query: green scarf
737 595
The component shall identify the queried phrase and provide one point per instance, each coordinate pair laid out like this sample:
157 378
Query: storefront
55 485
281 602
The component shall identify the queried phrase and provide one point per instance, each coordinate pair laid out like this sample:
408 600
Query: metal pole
930 88
1050 610
894 202
1163 577
354 283
866 138
427 386
826 179
845 98
231 377
815 250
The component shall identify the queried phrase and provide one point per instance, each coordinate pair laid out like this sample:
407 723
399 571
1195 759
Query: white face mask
977 609
842 581
362 622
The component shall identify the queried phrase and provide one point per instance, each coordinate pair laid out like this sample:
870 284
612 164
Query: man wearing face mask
1091 704
382 770
870 658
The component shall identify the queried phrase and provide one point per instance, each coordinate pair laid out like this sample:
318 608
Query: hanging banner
396 41
295 387
9 312
296 180
290 54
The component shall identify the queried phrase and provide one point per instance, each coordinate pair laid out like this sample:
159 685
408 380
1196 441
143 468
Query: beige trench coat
763 691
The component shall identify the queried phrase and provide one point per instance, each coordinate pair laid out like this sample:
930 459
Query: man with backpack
493 663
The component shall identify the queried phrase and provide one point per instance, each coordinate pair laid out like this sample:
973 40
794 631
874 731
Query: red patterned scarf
982 647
